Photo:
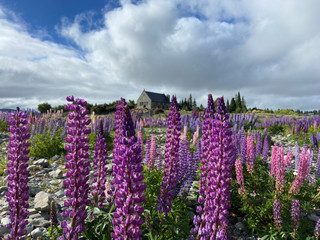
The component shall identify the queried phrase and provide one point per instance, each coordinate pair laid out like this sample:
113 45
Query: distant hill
6 110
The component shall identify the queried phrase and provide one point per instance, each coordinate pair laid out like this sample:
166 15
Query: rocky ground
45 184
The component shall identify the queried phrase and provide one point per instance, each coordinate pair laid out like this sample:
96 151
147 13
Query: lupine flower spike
128 180
170 172
100 167
17 195
78 171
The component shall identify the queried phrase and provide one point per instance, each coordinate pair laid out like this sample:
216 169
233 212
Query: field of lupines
230 163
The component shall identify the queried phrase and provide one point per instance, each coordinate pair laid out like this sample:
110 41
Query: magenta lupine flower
214 211
280 169
295 214
250 153
277 217
240 179
153 152
77 165
289 158
128 179
147 152
317 230
170 172
273 159
17 195
302 172
100 167
297 155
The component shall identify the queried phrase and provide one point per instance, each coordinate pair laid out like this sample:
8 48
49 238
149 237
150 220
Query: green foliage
257 204
3 126
109 140
176 225
47 148
158 111
285 112
44 107
3 165
276 129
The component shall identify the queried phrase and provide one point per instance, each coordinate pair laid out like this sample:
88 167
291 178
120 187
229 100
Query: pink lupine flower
250 153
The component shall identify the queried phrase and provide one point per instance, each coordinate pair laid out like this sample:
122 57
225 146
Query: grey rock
42 162
313 217
29 228
3 189
32 168
40 222
42 201
240 226
36 215
55 158
32 211
3 226
38 232
60 194
33 190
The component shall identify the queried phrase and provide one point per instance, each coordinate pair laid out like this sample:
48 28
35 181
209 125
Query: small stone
55 158
60 194
29 228
33 190
42 201
32 211
313 217
40 222
5 221
42 162
240 226
38 232
3 189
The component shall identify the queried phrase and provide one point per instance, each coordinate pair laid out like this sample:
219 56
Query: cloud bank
267 50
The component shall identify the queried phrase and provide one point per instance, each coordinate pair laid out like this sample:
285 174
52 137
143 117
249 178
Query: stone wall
144 101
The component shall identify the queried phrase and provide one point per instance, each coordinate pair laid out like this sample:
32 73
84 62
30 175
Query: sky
103 50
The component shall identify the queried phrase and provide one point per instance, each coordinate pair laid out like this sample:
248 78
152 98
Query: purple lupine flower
17 195
170 172
214 212
295 214
277 217
259 145
205 147
289 158
147 154
153 152
317 170
128 179
183 158
265 151
78 171
244 149
317 230
53 214
100 166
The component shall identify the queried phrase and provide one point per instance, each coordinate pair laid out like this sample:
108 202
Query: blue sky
104 50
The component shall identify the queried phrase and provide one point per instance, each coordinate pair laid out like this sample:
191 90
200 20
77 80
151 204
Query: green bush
47 148
257 205
276 129
3 126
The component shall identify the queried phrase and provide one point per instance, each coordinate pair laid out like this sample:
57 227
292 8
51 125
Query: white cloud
268 50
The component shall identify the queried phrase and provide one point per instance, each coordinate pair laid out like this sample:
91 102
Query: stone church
151 100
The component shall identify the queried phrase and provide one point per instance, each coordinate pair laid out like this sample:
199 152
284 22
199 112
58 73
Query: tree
243 105
238 101
233 106
44 107
228 106
194 104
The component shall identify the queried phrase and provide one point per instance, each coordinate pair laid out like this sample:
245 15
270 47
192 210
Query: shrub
48 147
158 111
3 126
